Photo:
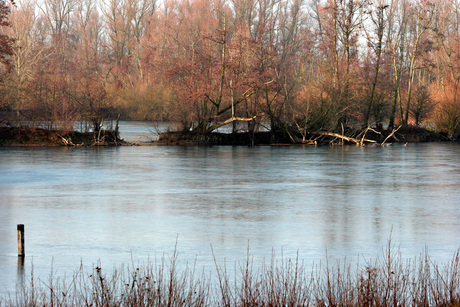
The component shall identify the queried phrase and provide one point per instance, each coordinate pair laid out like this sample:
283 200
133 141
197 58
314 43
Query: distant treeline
289 65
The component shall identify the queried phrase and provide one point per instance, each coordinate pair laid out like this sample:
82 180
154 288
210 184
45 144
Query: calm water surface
117 205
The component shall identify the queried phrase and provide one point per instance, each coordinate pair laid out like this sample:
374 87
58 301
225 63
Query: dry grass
386 281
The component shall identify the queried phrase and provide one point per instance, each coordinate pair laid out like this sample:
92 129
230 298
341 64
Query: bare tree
398 17
26 51
423 12
375 40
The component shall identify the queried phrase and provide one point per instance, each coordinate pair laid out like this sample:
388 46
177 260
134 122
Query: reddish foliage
5 40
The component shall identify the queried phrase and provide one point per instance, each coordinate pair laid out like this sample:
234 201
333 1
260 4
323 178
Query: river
132 204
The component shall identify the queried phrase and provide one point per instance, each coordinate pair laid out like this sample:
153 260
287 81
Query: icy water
132 204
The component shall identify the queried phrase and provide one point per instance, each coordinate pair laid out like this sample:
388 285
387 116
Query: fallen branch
364 135
231 119
346 138
390 135
309 142
66 141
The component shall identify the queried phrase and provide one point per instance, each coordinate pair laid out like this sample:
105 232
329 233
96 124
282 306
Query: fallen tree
346 138
228 121
390 135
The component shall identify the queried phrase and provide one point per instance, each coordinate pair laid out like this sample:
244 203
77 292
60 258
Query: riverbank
25 136
403 134
386 281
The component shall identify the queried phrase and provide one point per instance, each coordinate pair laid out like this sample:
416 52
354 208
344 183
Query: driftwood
309 142
304 141
364 135
347 138
67 141
231 119
390 135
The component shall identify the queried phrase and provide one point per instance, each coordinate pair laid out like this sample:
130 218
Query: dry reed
388 280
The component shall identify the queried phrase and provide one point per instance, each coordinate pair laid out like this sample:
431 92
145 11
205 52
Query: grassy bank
26 136
388 280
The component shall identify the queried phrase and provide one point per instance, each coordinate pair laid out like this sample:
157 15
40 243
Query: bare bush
388 280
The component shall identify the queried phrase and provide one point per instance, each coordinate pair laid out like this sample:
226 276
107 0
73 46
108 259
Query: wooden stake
21 247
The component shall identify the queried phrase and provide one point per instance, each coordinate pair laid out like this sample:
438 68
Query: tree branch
231 119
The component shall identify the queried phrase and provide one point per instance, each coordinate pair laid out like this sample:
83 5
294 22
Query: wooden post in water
21 247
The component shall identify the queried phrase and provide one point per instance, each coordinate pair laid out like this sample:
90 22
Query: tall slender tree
6 41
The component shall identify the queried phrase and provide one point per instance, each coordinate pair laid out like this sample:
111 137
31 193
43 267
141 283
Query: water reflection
21 271
115 204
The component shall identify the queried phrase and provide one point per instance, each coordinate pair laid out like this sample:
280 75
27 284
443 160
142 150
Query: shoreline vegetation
26 136
30 136
309 72
368 136
388 280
